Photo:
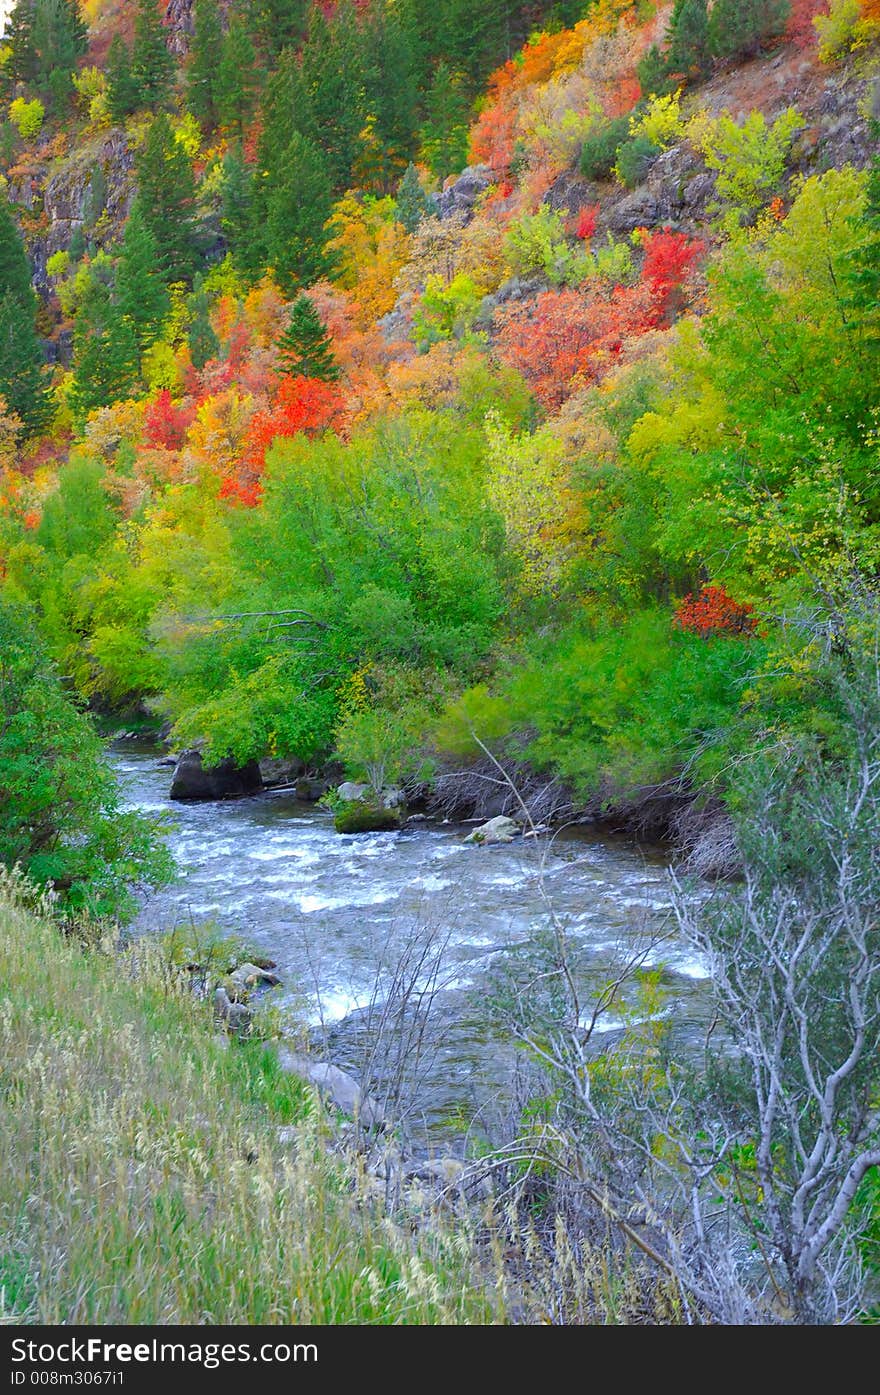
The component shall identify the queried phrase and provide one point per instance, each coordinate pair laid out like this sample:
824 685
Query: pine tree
445 133
864 267
46 37
298 205
334 72
235 91
652 71
738 28
167 200
201 340
306 349
244 239
141 294
22 364
15 270
277 24
392 89
105 354
413 203
689 50
206 54
152 63
122 89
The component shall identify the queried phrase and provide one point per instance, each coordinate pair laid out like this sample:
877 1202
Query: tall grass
150 1173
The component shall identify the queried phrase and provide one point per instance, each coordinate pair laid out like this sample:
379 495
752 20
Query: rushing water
340 914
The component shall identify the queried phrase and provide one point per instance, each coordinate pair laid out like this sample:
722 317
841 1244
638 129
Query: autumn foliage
713 612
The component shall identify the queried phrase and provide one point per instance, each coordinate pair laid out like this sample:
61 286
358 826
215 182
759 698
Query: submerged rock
192 780
498 830
250 975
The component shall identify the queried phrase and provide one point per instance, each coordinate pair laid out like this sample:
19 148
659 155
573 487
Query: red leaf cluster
714 612
165 425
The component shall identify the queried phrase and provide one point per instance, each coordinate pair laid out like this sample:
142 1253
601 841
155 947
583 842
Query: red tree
714 612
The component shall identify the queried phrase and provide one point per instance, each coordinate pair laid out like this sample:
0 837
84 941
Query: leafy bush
634 159
662 122
27 117
749 158
599 150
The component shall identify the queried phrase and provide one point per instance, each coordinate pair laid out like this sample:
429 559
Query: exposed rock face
461 197
224 781
310 789
499 830
180 25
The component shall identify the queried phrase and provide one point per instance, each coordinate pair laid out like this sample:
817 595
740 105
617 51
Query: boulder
250 975
275 772
310 789
350 791
499 830
359 809
236 1017
340 1088
192 780
461 196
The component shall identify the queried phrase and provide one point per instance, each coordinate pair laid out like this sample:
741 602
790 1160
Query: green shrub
634 159
599 151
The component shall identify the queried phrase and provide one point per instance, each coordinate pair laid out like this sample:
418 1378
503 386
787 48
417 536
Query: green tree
413 203
141 293
391 87
152 63
167 200
689 51
235 91
305 345
244 239
277 24
738 28
203 73
334 73
60 819
15 270
46 37
122 88
298 205
445 133
22 364
105 353
202 341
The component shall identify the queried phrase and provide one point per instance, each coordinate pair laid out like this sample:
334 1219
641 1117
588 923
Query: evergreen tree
334 72
105 354
277 24
46 37
122 89
152 63
738 28
167 200
298 205
203 74
652 71
22 364
445 133
141 294
864 270
15 270
244 239
689 50
305 346
392 89
201 340
235 91
413 203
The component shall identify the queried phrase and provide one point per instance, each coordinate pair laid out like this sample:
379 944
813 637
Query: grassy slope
142 1178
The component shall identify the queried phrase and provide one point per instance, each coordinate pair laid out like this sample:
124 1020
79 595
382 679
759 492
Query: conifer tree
298 205
105 354
22 372
201 340
141 294
334 73
167 201
413 203
46 37
306 349
203 74
392 89
235 90
277 24
445 133
122 89
689 50
152 63
652 71
238 224
738 28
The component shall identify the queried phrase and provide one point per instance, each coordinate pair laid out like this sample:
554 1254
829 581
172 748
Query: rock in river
500 830
192 780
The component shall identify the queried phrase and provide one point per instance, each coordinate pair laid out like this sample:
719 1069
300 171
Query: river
358 924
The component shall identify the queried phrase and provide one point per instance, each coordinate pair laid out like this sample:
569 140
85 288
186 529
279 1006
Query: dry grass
144 1174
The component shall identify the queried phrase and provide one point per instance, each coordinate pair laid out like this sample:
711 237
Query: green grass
142 1175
